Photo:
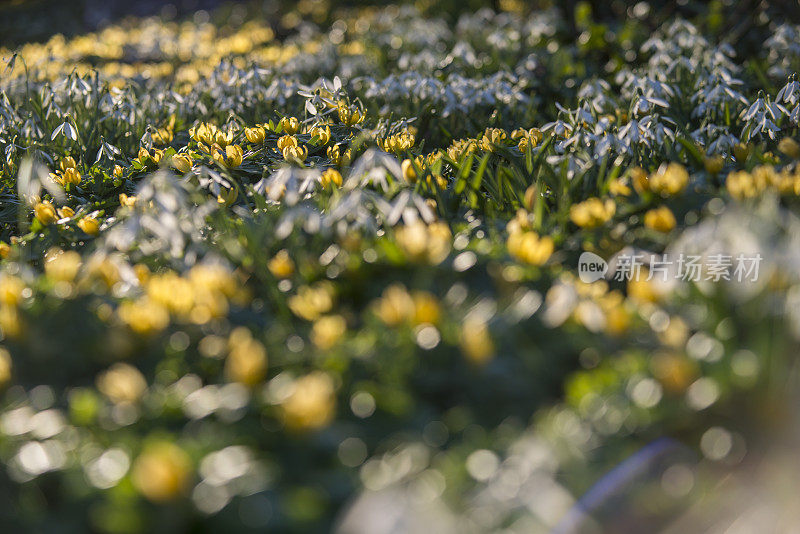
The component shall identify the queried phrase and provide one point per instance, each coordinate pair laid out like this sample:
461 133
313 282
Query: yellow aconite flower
281 266
641 289
65 212
660 219
340 156
409 174
476 342
311 403
492 137
127 201
790 147
62 266
425 242
10 321
231 158
669 179
639 179
618 187
227 197
675 372
286 141
289 125
5 249
247 358
323 135
713 164
311 302
327 331
70 176
426 308
45 213
5 366
742 184
741 151
118 170
295 154
122 383
331 178
399 142
182 163
11 289
148 159
529 248
90 225
162 136
143 316
161 472
67 163
173 292
203 133
255 135
349 116
592 212
395 306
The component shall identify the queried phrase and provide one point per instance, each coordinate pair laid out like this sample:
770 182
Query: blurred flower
281 265
311 403
327 331
45 213
660 219
122 383
247 358
476 342
162 471
670 179
592 212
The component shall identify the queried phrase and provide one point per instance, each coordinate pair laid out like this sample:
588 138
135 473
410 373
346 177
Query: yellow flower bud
713 164
247 359
62 266
67 163
66 212
529 248
231 157
409 174
741 151
311 403
122 383
669 179
660 219
331 178
322 134
287 141
90 225
255 135
289 125
295 154
182 163
5 366
161 472
327 331
476 342
790 147
592 212
127 201
281 266
45 213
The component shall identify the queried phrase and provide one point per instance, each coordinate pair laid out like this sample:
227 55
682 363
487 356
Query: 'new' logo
591 267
